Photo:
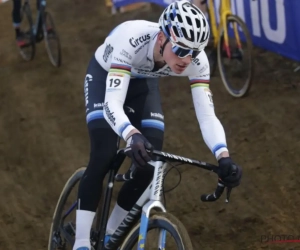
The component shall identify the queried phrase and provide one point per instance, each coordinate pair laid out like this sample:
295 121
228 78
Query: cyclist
124 71
16 18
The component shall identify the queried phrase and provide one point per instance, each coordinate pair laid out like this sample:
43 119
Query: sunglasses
182 53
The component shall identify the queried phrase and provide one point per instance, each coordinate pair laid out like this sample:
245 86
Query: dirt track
43 139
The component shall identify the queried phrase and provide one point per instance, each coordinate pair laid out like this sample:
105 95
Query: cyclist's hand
229 172
138 149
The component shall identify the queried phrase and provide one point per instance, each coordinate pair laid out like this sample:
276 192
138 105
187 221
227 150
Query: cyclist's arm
117 83
211 127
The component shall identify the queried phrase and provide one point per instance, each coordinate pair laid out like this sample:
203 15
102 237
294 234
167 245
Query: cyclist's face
177 65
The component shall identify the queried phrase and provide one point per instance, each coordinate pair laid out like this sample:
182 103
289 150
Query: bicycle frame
224 12
153 195
37 28
151 198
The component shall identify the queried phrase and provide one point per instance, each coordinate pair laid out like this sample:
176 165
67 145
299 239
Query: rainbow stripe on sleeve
194 83
120 68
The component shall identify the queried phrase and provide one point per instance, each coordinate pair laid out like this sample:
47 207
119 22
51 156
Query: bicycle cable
177 184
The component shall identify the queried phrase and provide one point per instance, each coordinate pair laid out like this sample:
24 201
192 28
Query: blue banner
273 24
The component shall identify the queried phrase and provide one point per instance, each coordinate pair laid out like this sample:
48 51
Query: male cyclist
16 18
124 71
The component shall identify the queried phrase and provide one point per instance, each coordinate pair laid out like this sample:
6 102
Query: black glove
138 149
229 173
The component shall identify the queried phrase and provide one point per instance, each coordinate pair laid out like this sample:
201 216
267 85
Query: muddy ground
43 139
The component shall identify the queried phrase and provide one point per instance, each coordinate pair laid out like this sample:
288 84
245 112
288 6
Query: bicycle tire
244 91
165 221
54 56
71 182
30 47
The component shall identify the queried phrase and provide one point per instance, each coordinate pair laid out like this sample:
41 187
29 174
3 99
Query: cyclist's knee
133 189
144 175
154 132
103 147
157 142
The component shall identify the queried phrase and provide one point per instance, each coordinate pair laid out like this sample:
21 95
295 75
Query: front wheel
62 233
235 59
171 234
52 41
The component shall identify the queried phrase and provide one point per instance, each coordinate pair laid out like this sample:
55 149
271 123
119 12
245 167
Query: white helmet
185 25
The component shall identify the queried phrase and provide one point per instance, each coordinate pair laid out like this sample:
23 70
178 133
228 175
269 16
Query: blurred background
43 136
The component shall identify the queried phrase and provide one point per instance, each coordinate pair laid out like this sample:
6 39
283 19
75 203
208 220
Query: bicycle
44 29
130 232
222 52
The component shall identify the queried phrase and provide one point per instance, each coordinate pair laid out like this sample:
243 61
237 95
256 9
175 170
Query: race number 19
115 83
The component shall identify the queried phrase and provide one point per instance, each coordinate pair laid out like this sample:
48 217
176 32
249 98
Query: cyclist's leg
103 146
16 18
144 99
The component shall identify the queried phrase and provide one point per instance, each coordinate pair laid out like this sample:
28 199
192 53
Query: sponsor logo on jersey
98 105
108 50
137 51
121 60
196 61
157 115
203 68
145 66
134 42
204 76
116 74
126 54
149 73
109 114
165 72
88 78
209 96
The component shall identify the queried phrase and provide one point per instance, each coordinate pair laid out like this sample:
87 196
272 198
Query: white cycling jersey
127 53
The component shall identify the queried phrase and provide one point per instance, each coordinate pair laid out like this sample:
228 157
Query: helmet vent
194 12
179 18
188 19
172 16
176 31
